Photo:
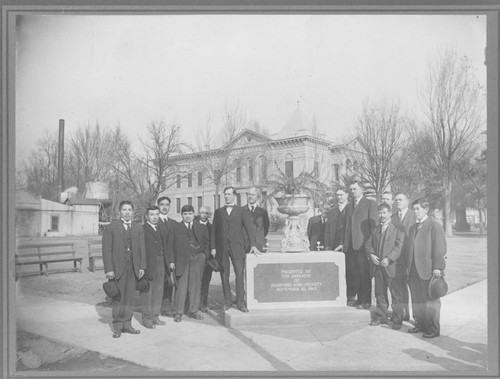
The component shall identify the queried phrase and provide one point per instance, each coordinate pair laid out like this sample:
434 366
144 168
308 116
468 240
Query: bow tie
127 222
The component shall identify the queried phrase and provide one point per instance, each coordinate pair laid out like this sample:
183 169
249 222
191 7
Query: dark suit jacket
260 221
390 249
182 248
113 247
228 231
157 243
408 220
359 223
316 232
427 248
335 228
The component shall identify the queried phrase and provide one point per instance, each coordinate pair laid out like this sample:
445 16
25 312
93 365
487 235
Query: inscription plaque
286 282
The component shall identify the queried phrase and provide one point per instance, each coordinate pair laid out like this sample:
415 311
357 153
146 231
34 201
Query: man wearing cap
159 255
425 259
191 249
230 223
124 257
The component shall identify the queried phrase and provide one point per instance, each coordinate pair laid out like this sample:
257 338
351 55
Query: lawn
466 264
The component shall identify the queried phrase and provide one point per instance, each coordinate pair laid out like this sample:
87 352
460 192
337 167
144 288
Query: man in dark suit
361 219
406 218
259 218
191 249
425 258
204 212
124 256
159 255
230 223
316 229
167 225
383 249
335 224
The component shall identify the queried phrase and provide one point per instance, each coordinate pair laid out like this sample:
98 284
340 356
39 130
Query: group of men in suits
171 254
398 246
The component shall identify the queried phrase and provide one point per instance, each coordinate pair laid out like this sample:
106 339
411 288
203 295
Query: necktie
252 208
127 225
400 215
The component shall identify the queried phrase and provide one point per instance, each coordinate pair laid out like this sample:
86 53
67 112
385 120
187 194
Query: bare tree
452 103
93 150
471 178
382 131
218 157
145 173
39 170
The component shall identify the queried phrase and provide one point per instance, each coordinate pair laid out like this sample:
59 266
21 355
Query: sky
134 69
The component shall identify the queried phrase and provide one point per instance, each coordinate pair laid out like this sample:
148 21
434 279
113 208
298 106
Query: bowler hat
142 284
111 289
437 287
214 264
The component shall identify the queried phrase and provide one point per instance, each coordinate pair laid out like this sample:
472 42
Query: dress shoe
430 335
157 321
149 325
363 306
131 330
204 309
178 318
374 323
406 318
351 303
168 314
414 330
117 333
396 326
195 315
243 309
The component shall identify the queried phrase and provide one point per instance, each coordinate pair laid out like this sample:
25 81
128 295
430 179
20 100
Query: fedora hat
142 284
111 289
437 287
214 264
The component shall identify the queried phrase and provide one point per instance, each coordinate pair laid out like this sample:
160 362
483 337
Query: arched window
348 166
289 165
251 169
263 168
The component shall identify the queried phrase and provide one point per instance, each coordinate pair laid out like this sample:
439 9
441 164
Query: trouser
395 286
190 283
151 300
239 273
406 297
426 311
122 310
350 282
167 305
358 282
205 284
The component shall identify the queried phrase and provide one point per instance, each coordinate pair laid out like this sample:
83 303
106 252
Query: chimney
60 160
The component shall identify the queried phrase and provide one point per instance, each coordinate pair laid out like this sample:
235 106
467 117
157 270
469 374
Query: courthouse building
254 158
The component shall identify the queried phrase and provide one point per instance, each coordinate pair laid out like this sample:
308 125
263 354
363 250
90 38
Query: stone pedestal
302 280
293 288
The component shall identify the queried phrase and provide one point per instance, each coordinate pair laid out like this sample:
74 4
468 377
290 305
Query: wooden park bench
95 255
45 254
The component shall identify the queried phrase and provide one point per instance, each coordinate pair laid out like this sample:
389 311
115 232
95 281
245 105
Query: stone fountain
295 240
